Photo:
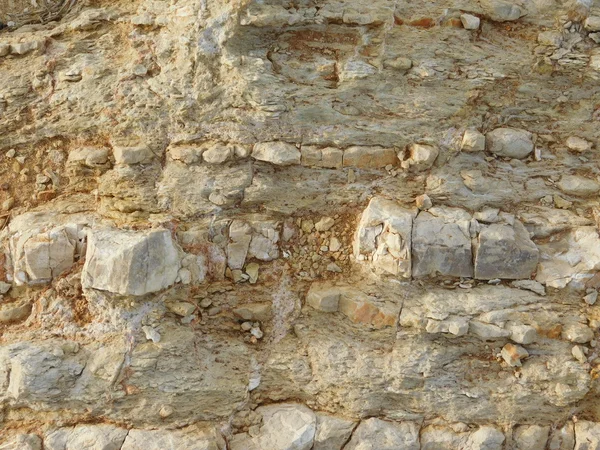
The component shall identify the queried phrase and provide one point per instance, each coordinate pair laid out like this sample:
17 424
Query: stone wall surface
312 224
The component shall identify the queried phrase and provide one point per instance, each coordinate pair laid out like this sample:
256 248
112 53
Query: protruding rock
132 155
376 434
510 142
531 437
24 442
563 438
192 439
129 262
513 354
587 435
485 438
287 426
578 185
505 251
277 152
473 140
332 432
419 157
384 235
501 11
323 297
521 334
324 224
469 21
441 243
578 144
423 202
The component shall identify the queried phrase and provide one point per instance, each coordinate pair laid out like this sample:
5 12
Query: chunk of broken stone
531 437
419 157
89 156
23 442
530 285
513 354
252 272
399 63
377 434
132 155
323 297
276 152
324 224
521 334
587 435
578 144
505 251
14 312
384 235
441 243
423 202
103 436
286 426
218 154
332 432
501 11
579 354
469 21
577 333
592 23
473 140
591 298
509 142
130 262
578 185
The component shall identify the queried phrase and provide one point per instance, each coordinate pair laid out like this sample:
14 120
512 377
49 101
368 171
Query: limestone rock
161 439
505 251
563 438
332 432
509 142
130 263
578 185
376 434
420 157
485 438
23 442
369 157
384 234
469 22
277 152
531 437
132 155
502 11
473 140
323 297
441 243
286 427
91 437
513 354
587 435
578 144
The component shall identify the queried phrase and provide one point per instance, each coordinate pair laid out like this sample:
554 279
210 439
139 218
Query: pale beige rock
473 140
469 22
92 437
420 157
485 438
323 297
509 142
531 437
132 155
277 152
332 432
578 185
587 435
23 442
375 434
513 354
130 263
369 157
578 144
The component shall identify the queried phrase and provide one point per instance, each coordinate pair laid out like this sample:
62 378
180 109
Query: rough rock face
307 225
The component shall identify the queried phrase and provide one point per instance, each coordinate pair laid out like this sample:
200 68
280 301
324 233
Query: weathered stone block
510 142
441 243
384 235
369 157
376 434
130 263
278 153
505 251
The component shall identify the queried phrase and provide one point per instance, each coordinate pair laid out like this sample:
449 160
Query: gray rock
563 438
505 251
442 438
485 438
441 243
509 142
278 153
132 155
86 437
332 432
501 11
323 297
531 437
89 156
470 22
578 185
420 157
376 434
530 285
130 263
384 235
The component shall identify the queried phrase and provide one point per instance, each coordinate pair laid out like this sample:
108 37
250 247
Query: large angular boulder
509 142
39 256
441 243
384 237
130 262
276 152
376 434
505 250
332 432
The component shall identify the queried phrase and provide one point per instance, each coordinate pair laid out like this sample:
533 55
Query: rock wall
315 224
